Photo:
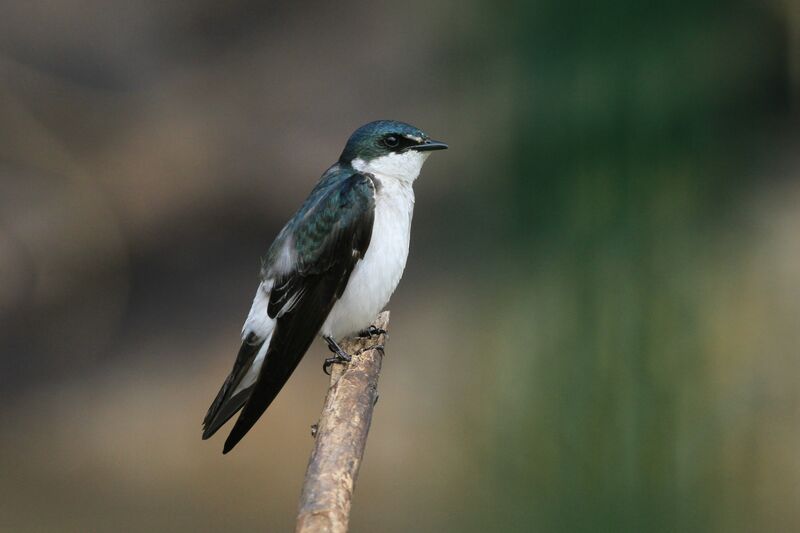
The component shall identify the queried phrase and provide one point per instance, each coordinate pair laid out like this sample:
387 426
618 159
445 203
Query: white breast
376 276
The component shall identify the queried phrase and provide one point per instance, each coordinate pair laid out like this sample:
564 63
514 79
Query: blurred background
599 324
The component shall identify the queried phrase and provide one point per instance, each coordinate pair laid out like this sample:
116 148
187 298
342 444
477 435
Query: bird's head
389 148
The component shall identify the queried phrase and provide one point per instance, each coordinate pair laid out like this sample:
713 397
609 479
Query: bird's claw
371 331
380 347
338 358
341 357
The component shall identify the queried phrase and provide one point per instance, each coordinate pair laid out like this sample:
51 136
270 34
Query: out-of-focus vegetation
598 325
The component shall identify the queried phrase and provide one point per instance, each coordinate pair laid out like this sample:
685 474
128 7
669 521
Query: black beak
428 146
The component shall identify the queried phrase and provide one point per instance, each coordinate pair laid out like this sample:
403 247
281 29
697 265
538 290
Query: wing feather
328 238
226 404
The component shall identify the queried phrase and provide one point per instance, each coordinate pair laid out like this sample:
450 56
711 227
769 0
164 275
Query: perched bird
330 270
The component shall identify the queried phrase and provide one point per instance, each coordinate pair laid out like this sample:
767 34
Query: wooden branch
341 436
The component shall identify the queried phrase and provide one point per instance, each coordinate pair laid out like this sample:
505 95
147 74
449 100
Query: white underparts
258 321
261 325
376 276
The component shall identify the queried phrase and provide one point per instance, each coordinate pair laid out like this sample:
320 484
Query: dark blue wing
325 240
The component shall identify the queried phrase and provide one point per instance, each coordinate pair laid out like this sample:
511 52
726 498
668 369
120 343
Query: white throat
404 166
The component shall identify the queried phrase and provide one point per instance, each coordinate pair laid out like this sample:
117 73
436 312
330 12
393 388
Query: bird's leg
340 355
335 348
370 331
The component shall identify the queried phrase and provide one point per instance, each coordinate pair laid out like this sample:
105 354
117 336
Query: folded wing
307 269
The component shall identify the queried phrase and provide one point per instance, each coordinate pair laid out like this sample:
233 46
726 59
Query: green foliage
634 130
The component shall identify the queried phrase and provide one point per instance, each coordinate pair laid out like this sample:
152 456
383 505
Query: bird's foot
371 331
380 347
336 359
339 357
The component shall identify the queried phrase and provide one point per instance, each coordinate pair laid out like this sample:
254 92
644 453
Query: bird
330 270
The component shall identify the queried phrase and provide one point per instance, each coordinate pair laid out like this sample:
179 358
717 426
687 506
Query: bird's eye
391 141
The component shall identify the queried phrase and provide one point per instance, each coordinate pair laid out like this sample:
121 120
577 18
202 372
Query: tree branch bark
341 436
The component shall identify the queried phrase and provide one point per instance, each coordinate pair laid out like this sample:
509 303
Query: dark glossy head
384 137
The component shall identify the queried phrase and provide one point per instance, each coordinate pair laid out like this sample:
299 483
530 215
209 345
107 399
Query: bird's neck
404 167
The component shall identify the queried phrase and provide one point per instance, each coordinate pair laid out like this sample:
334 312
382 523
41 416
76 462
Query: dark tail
226 404
275 372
